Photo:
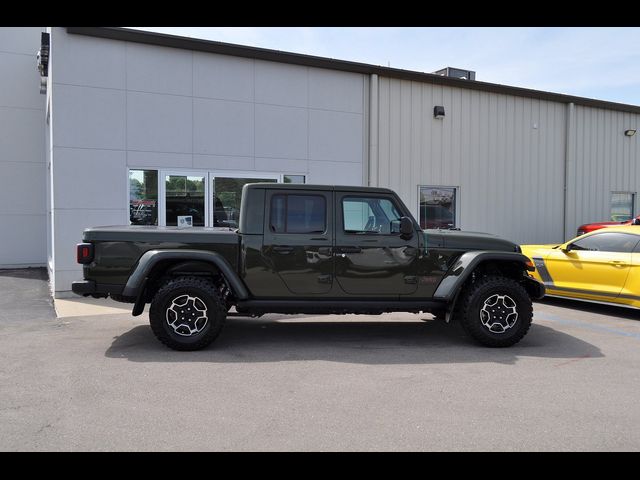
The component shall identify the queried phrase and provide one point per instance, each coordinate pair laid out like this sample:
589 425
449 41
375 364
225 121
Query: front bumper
534 287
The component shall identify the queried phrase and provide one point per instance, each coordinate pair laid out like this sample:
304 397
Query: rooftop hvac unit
457 73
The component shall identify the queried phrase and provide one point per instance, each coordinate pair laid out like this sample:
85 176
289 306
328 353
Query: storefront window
143 197
437 207
227 196
622 206
185 197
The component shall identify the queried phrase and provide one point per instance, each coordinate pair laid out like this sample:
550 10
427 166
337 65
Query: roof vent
457 73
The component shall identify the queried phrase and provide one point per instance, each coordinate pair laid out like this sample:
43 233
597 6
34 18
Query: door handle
618 263
282 249
348 249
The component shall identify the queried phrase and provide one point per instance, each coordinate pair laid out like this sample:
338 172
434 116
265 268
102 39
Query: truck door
298 237
370 258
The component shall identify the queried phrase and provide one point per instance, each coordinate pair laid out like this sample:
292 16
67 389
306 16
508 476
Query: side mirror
567 248
636 221
406 227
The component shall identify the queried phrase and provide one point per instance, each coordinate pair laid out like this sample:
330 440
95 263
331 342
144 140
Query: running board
328 306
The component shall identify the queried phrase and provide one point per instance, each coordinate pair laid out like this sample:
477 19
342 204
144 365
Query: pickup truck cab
309 249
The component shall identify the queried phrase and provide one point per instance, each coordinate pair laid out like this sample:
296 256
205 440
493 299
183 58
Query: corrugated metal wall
601 160
504 153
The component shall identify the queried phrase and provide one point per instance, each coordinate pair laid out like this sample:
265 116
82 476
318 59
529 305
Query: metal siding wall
603 160
509 174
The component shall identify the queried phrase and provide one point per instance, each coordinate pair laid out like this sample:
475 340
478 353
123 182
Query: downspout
568 154
373 131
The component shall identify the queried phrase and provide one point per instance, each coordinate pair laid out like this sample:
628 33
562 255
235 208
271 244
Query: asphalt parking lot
392 382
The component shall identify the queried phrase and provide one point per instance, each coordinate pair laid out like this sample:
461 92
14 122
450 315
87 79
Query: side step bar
328 306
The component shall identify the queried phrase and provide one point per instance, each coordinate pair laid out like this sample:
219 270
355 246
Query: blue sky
594 62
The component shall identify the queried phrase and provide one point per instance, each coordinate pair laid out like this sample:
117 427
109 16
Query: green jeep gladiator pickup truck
309 249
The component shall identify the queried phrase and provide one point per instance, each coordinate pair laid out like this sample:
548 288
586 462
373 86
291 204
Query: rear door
298 237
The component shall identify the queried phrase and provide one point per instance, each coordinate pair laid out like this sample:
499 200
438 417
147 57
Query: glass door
184 194
227 194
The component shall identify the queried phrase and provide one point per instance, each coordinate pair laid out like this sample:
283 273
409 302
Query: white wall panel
159 123
222 162
22 150
159 69
281 84
88 61
88 117
330 90
222 77
159 159
89 178
21 135
22 240
19 81
24 40
281 165
334 173
335 136
23 189
281 132
223 127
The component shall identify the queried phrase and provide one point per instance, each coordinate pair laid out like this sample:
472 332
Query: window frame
633 203
601 234
457 221
286 212
210 173
368 195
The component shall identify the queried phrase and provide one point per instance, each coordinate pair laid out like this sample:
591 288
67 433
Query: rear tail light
84 253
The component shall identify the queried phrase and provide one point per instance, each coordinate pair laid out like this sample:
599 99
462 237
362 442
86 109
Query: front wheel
495 311
187 313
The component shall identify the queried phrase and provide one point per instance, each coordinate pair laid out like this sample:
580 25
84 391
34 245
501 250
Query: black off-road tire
486 311
187 313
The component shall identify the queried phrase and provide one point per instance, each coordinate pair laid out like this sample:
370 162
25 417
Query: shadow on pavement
596 308
365 342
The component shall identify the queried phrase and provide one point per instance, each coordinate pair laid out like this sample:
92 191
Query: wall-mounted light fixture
438 112
630 133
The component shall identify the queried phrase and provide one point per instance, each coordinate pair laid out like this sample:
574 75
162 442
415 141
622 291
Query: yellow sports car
602 266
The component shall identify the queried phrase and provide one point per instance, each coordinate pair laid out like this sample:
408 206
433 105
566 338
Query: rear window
298 214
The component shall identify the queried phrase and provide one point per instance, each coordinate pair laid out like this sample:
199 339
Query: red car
590 227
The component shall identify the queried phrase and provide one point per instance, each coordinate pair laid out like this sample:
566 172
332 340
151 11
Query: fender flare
151 258
465 265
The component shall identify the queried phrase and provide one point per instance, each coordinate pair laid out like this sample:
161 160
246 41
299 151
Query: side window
368 215
298 214
607 242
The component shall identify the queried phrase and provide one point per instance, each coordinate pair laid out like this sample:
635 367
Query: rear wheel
187 313
496 311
